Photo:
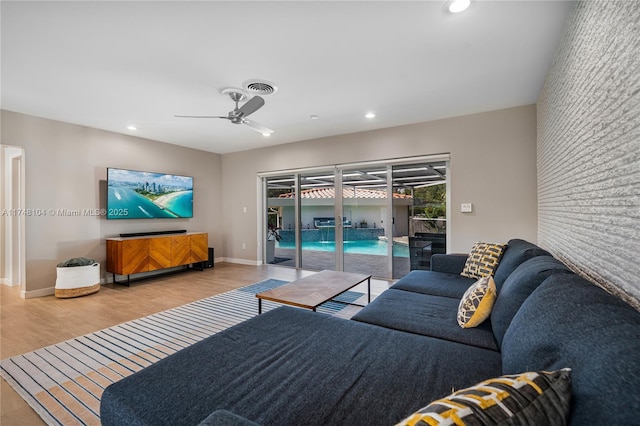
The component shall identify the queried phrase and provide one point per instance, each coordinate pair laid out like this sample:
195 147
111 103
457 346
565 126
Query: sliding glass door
357 218
420 204
318 225
367 228
280 241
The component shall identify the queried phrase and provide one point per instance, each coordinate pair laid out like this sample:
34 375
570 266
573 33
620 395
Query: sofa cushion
569 322
225 418
532 398
292 366
516 252
426 315
475 306
518 286
435 283
483 260
452 263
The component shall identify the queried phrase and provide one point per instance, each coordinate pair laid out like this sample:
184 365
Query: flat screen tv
133 194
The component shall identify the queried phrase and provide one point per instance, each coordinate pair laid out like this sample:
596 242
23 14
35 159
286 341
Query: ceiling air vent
260 87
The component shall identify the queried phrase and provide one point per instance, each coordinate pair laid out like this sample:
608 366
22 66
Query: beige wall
589 147
66 168
493 166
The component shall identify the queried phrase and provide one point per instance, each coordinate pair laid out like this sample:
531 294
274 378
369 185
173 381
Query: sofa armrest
451 263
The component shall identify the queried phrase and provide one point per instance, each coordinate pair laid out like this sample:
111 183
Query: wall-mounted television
134 194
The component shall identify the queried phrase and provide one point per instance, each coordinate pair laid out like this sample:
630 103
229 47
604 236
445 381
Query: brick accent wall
588 146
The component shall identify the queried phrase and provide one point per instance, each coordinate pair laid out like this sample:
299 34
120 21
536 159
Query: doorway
12 217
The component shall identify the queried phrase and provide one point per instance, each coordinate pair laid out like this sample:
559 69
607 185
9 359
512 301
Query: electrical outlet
244 210
244 246
466 207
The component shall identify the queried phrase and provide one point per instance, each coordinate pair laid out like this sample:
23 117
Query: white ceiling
111 64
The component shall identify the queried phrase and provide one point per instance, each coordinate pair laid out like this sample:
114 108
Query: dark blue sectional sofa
404 350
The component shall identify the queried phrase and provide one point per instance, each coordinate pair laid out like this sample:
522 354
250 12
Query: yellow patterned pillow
533 398
477 302
483 260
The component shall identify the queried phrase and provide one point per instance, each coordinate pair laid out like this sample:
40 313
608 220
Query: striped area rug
63 383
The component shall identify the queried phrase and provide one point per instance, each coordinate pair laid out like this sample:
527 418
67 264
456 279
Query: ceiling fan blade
201 116
257 127
251 106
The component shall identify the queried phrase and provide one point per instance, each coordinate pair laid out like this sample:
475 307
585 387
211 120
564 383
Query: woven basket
75 281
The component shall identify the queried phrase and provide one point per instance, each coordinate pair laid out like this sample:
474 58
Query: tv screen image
134 194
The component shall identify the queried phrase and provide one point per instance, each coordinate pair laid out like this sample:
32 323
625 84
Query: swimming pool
377 247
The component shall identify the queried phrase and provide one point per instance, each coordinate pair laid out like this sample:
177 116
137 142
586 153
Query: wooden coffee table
314 290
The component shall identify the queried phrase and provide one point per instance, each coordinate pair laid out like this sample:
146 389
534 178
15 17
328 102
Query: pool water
377 247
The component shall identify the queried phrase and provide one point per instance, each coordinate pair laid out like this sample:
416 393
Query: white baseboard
37 293
241 261
108 278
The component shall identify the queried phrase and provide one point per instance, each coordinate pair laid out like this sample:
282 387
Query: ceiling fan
239 114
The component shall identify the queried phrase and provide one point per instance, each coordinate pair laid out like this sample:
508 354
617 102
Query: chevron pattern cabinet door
135 256
199 247
159 253
180 250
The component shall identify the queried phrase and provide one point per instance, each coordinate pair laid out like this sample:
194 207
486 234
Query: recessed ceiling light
457 6
314 117
132 128
370 115
266 135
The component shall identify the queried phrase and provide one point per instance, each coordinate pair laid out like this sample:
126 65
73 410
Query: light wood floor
31 324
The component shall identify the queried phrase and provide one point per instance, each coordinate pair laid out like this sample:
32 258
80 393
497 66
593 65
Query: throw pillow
483 260
477 302
532 398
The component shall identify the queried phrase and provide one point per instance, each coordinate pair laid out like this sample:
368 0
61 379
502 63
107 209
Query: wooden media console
133 255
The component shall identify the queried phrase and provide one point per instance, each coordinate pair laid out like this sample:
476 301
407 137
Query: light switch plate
466 207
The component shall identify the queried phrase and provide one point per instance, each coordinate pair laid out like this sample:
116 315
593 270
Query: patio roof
364 183
347 192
